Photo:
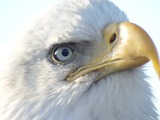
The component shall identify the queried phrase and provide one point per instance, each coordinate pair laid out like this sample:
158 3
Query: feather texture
33 88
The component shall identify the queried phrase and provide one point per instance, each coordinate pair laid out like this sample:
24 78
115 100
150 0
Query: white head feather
33 88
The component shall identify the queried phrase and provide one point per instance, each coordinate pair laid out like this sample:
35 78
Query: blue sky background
15 13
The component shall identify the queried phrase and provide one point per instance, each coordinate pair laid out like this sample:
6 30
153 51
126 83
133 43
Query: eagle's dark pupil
65 52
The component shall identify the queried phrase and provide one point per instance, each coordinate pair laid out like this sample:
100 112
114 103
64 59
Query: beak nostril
113 38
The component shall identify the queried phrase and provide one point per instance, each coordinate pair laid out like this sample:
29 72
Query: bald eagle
80 60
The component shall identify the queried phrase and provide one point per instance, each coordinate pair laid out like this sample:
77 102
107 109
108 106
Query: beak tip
159 73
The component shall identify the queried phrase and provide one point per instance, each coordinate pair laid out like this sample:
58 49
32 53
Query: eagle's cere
80 60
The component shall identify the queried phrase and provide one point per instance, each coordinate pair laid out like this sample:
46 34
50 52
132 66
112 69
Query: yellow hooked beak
125 46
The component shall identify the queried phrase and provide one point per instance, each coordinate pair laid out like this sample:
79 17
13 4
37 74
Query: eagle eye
62 54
